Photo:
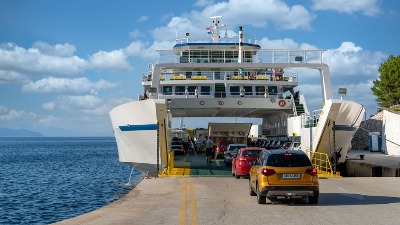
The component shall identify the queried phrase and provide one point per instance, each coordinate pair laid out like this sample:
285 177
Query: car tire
251 191
260 199
313 199
237 176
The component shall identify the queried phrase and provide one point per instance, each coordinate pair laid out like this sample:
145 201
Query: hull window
167 90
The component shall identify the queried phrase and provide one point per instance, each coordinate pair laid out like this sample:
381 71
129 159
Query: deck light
342 92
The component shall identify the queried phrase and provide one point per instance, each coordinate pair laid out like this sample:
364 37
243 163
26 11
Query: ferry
231 77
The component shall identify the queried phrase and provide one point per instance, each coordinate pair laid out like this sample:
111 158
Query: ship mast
215 34
240 58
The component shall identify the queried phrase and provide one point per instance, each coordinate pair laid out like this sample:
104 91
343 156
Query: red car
220 150
245 159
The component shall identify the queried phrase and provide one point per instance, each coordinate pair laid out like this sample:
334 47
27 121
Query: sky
65 64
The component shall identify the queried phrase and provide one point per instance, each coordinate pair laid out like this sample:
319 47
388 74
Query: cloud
351 61
139 49
114 60
366 7
202 3
49 106
41 60
9 115
61 50
49 121
175 25
9 77
256 13
259 12
142 19
285 43
80 85
136 34
80 102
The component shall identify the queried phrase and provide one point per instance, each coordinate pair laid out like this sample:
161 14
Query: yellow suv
287 173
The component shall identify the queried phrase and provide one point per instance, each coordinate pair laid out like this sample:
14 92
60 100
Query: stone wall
360 140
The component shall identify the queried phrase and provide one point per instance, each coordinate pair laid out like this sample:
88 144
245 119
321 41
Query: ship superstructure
220 77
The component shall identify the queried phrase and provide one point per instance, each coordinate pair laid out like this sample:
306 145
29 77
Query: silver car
231 151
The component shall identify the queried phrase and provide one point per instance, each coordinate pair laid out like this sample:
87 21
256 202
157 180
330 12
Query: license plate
290 176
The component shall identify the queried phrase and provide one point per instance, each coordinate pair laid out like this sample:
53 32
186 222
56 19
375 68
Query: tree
387 87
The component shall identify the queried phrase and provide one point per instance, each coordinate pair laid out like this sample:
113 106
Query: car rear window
251 153
236 147
288 160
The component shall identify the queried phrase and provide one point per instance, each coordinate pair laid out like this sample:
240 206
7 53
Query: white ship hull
136 129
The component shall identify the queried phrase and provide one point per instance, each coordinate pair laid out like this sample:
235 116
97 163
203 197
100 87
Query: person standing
186 92
209 146
191 148
196 93
241 92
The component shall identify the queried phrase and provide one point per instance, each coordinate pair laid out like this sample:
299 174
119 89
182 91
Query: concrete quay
208 194
225 200
360 163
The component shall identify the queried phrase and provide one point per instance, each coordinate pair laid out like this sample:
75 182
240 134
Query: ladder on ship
300 109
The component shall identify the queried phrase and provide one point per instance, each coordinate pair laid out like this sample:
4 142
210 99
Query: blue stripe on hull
138 127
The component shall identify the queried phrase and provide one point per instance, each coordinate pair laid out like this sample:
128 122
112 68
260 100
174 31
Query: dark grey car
232 151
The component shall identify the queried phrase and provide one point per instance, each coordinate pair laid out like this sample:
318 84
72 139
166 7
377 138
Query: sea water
45 180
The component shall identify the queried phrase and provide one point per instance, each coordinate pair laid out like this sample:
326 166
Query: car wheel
237 176
260 199
251 191
313 199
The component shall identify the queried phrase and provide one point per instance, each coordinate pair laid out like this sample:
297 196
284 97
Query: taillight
312 172
228 154
267 172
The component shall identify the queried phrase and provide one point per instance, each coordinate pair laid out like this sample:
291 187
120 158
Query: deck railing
228 56
169 75
177 94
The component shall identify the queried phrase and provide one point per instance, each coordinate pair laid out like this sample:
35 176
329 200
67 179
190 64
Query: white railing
191 94
229 56
169 75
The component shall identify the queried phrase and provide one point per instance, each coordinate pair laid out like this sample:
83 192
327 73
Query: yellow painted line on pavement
183 203
193 213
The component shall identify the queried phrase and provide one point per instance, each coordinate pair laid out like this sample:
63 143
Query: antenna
215 35
215 17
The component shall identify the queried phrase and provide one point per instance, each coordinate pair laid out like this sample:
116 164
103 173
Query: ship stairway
220 90
299 109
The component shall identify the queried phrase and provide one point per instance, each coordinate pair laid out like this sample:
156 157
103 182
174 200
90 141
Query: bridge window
191 89
235 90
248 90
180 90
205 90
260 90
273 90
167 90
